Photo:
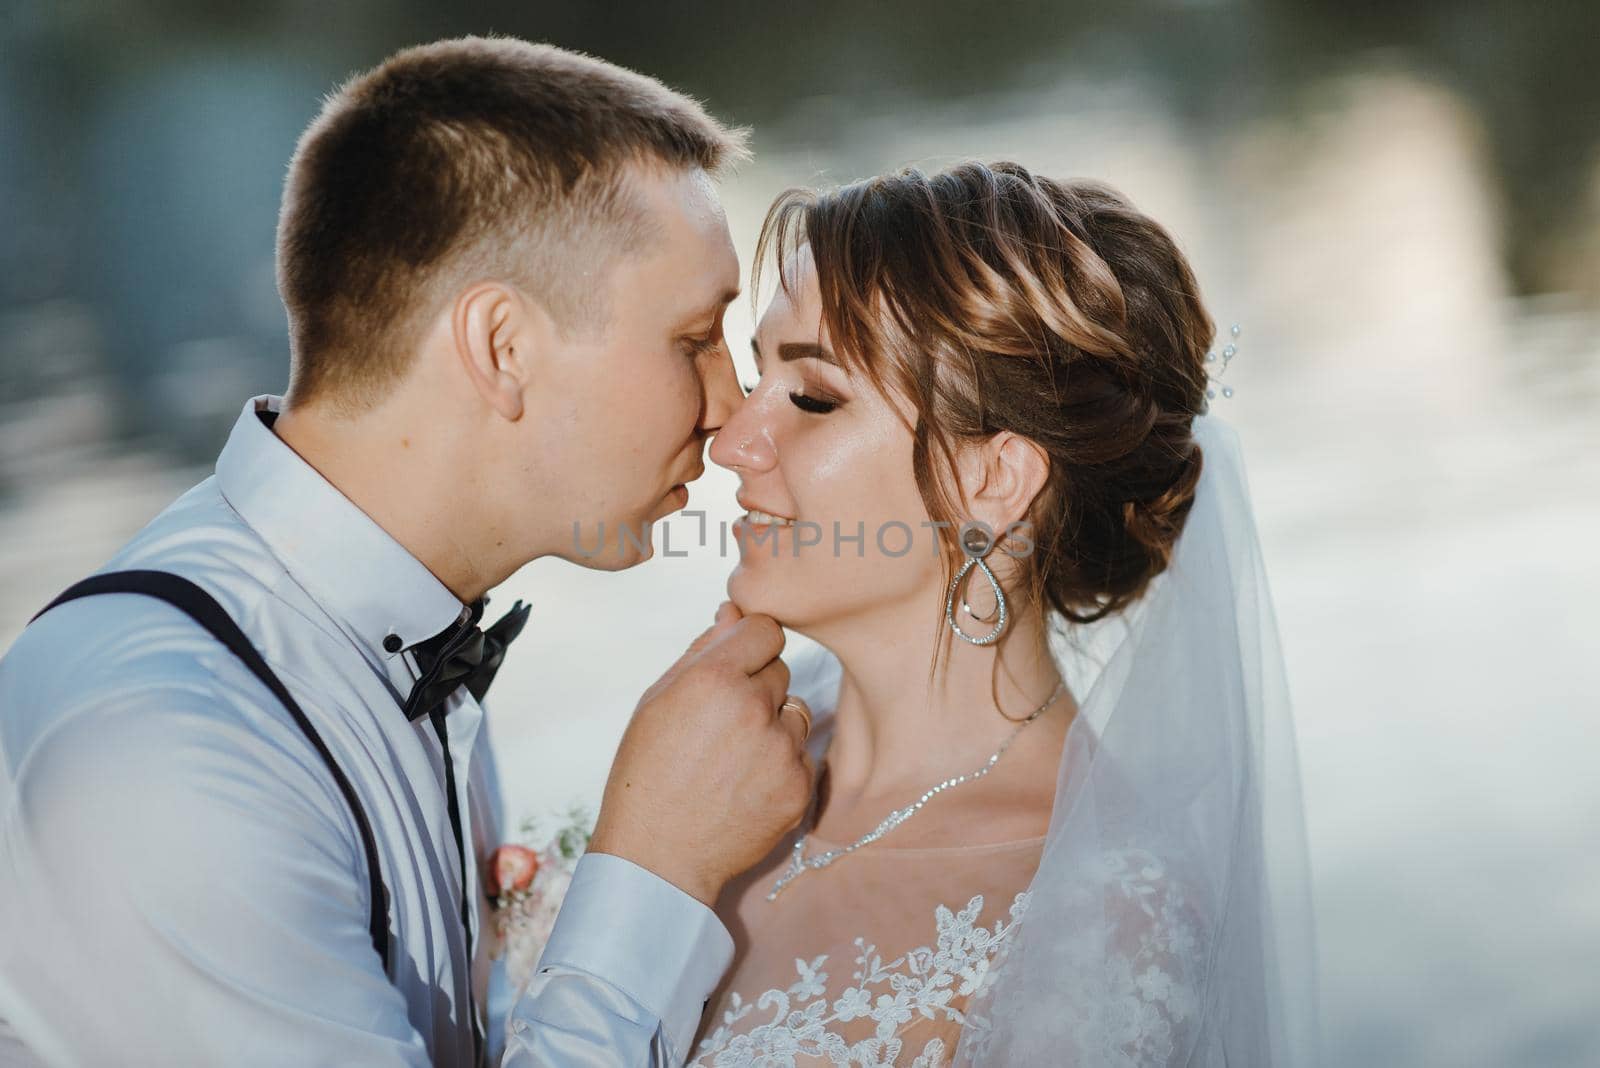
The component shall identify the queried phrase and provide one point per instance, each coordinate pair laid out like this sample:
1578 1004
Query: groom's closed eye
696 347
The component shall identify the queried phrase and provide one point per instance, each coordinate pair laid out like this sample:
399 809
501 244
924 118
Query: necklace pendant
796 866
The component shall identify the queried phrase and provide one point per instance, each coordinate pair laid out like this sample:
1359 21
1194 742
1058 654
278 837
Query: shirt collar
386 597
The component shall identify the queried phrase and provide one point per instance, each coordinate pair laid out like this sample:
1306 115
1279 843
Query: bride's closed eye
814 405
817 403
799 398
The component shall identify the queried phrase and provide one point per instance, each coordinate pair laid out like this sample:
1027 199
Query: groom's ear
494 328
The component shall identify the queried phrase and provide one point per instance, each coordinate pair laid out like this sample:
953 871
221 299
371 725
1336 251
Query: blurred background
1399 204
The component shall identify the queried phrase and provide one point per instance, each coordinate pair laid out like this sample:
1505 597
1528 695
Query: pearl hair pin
1229 351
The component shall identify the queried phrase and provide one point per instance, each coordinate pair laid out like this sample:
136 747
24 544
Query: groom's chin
617 549
623 559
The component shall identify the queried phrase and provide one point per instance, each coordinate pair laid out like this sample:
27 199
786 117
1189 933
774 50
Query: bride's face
830 458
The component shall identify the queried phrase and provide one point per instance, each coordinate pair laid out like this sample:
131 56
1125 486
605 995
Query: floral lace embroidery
1128 996
921 983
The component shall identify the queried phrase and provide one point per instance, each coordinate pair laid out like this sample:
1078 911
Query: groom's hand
709 776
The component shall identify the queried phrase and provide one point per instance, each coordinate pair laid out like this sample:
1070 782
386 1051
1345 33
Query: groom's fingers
795 717
750 644
727 615
709 776
774 682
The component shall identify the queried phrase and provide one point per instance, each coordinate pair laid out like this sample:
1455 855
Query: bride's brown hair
998 300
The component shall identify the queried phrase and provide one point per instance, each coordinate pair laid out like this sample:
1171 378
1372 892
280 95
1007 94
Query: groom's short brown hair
469 157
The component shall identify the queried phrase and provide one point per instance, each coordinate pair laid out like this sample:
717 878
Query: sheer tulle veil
1169 922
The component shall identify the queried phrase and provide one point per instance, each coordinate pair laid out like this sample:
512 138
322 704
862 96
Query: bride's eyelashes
815 402
814 405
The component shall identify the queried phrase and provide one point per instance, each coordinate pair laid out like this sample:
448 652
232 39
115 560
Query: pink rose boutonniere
526 882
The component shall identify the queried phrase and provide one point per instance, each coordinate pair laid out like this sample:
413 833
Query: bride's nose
745 441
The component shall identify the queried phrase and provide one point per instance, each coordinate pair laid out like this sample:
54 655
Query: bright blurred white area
1430 511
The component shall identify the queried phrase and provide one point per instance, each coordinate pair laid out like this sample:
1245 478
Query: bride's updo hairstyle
997 300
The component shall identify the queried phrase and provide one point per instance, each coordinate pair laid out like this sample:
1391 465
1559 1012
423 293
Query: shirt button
392 644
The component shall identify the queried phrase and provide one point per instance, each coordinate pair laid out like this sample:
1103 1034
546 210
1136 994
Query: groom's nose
745 443
722 393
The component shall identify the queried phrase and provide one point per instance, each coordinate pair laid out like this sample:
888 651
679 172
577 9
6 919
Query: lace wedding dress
893 943
863 1004
872 959
1163 921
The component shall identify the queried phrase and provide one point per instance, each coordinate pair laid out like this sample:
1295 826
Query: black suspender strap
204 610
436 717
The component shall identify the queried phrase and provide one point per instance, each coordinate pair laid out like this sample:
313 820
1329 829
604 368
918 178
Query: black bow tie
462 655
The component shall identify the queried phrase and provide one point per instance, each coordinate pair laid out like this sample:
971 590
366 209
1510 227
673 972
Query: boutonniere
526 882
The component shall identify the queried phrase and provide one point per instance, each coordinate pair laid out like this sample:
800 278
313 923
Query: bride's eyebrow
795 350
799 350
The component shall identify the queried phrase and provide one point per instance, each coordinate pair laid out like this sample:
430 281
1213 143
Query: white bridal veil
1169 922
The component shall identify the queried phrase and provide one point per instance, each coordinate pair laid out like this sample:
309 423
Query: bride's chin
752 596
744 594
797 608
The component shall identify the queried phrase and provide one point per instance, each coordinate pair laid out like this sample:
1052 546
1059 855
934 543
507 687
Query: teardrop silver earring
981 617
976 543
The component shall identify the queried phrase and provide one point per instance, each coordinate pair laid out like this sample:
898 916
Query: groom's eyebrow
714 308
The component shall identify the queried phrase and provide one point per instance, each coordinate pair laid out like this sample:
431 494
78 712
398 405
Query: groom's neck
407 476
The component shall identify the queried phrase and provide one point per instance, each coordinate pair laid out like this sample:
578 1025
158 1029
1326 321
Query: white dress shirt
181 882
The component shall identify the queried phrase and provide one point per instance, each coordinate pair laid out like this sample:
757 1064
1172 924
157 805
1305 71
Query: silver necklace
799 863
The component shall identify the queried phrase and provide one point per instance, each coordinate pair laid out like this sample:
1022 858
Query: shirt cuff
653 942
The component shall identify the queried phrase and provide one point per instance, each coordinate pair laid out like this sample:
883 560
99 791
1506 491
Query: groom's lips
682 488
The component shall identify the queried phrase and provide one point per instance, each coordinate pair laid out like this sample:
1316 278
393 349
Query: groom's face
627 408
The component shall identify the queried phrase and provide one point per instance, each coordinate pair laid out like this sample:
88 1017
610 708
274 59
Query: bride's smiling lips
765 519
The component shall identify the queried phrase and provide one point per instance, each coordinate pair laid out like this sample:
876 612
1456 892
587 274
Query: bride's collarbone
1010 804
973 814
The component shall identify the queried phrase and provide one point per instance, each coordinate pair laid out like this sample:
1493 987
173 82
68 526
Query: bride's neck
896 728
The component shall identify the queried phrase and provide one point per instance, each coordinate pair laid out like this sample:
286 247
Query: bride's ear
1002 477
496 331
